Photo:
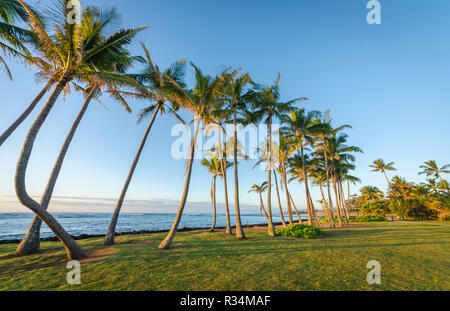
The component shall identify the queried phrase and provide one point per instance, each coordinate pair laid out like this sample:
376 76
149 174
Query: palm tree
214 167
371 193
199 101
278 198
301 126
220 114
236 98
260 189
379 166
319 178
267 105
13 41
161 88
77 51
430 168
340 154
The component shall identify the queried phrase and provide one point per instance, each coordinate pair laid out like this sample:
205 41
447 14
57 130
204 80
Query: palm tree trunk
338 210
239 231
300 220
313 211
344 204
165 244
74 251
327 170
305 178
348 190
327 210
110 234
24 115
213 196
262 206
278 197
225 186
31 242
284 180
270 228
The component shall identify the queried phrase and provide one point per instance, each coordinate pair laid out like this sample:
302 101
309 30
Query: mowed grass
412 257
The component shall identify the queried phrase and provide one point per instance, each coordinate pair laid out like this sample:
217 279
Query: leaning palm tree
379 166
236 98
76 52
199 101
267 105
430 168
260 189
161 87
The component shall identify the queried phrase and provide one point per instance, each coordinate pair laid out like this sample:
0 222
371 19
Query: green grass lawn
412 257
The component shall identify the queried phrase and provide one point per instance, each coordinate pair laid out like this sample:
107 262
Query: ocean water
15 225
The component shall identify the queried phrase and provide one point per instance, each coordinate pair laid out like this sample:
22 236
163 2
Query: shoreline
138 232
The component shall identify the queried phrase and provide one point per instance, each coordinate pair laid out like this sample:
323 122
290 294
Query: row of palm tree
406 199
89 58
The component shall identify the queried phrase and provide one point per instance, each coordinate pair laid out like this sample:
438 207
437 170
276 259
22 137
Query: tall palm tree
379 166
199 101
260 189
77 51
219 115
278 197
267 105
339 153
430 168
161 87
301 126
236 98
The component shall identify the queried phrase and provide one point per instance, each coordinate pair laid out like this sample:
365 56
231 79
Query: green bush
300 230
376 208
368 219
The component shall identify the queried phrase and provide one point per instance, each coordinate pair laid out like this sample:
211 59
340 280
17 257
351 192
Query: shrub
368 219
300 230
376 208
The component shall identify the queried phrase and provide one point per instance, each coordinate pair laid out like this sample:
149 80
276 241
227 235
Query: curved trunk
288 200
165 244
225 186
300 220
305 178
110 234
213 196
31 242
239 231
261 205
270 229
278 197
74 251
24 115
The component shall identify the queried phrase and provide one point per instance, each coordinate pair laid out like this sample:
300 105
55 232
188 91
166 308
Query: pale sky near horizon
391 82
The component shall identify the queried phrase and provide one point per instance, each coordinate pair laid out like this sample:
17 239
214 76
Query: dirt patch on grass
98 254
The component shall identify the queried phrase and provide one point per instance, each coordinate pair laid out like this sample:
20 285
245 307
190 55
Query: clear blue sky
391 82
